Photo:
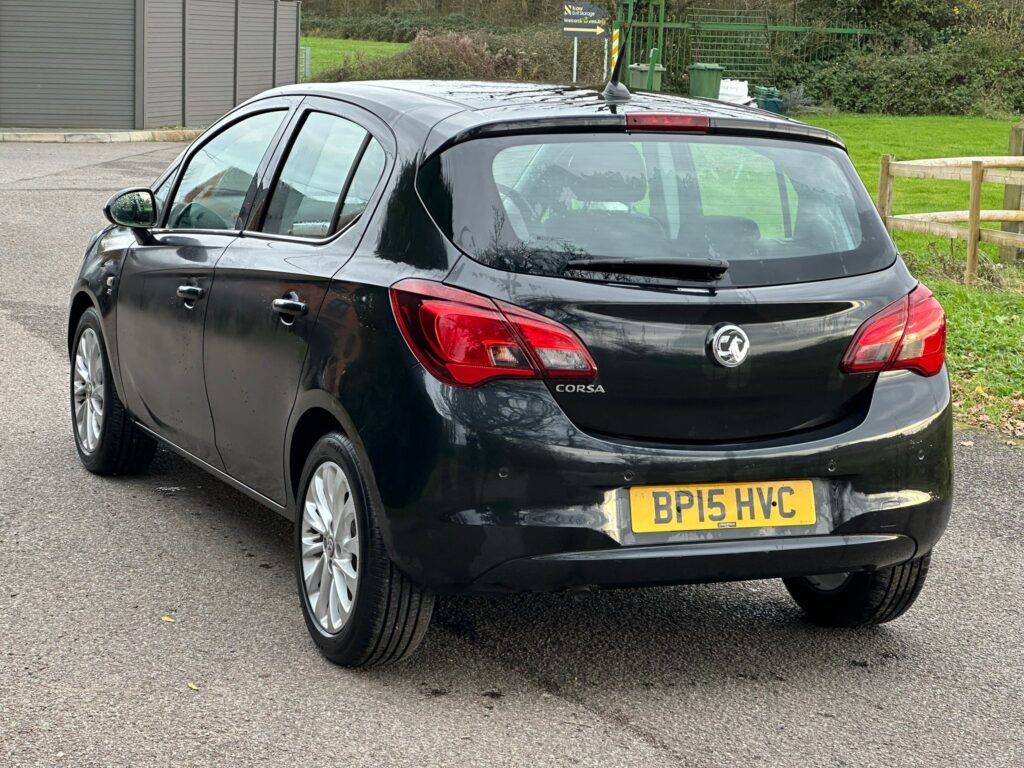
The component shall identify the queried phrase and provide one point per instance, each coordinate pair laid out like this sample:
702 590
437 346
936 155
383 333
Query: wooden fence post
885 189
1012 197
974 221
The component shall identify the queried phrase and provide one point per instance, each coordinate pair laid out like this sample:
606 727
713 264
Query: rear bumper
494 488
700 562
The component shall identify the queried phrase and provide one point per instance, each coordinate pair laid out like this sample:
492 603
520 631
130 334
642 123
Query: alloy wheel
88 390
330 547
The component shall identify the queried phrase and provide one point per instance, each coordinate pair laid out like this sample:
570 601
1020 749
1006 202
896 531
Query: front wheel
859 599
359 608
108 442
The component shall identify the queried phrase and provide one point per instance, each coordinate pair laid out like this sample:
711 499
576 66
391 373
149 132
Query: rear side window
330 173
779 211
364 181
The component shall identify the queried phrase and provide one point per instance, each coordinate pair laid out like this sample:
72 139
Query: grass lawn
986 324
328 51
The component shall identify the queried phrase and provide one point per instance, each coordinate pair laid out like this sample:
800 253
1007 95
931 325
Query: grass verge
986 324
328 52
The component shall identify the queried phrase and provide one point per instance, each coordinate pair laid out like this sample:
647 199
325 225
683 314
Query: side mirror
135 209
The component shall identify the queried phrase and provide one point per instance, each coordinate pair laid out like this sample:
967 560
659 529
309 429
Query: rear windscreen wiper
693 269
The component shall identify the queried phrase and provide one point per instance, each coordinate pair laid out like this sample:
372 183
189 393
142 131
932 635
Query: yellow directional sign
584 20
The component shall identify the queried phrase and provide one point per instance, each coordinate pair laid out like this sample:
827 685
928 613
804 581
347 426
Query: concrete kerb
98 137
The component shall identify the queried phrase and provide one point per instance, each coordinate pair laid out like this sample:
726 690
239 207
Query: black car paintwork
497 487
253 357
658 385
160 337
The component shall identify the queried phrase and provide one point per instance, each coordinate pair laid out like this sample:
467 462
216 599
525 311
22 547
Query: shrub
977 73
538 55
391 27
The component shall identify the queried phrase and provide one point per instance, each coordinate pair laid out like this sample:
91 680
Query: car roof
459 106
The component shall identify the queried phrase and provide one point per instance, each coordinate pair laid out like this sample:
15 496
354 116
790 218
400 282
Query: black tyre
108 442
859 599
360 609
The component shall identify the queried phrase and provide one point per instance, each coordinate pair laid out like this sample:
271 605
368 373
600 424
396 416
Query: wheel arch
315 414
310 427
80 302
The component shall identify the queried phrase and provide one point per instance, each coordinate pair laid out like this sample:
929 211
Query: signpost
583 20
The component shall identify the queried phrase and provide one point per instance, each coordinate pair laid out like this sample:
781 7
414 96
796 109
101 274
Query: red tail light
908 334
666 121
465 339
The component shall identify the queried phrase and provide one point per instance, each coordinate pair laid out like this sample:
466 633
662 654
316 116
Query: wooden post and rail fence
1008 170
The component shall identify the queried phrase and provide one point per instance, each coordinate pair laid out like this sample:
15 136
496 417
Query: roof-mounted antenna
615 92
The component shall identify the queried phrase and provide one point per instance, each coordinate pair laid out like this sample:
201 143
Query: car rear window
780 211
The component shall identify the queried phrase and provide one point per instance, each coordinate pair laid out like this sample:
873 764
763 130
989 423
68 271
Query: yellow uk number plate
658 508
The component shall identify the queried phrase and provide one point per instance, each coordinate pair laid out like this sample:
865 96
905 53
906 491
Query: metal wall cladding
255 47
163 94
123 64
67 64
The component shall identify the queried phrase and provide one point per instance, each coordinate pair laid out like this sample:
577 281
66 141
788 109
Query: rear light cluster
465 339
908 334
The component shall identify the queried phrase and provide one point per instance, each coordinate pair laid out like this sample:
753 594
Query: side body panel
160 338
97 286
253 356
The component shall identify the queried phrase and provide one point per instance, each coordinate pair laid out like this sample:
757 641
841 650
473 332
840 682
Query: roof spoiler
617 123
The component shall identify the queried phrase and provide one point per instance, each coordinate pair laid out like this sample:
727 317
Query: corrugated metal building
124 64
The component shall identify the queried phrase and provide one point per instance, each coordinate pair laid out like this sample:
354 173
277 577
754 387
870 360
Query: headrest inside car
607 172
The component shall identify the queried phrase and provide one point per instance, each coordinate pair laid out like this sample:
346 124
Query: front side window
218 177
162 191
330 173
779 211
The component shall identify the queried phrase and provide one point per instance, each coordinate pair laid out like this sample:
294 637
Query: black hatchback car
496 337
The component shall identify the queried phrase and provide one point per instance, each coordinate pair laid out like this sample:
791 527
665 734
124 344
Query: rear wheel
359 608
108 442
859 599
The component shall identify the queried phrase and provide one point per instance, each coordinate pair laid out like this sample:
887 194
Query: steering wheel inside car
523 209
198 216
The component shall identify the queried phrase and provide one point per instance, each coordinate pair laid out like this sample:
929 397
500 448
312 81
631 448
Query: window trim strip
346 187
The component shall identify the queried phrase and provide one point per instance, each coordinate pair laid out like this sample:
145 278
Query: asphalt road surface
721 675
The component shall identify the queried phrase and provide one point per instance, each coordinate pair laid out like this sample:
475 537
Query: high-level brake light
666 121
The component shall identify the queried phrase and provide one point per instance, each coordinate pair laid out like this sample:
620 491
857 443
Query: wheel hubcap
88 391
330 547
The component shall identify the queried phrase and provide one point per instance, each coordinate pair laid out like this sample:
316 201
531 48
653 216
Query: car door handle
190 292
289 307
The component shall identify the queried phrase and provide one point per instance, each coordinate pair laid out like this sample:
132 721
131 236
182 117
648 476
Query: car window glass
738 181
218 176
778 210
161 192
512 165
364 181
305 199
671 194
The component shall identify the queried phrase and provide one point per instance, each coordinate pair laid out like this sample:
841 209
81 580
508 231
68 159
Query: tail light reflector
909 334
465 339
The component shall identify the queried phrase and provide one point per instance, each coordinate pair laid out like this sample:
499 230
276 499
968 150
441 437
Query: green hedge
980 73
533 54
391 27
